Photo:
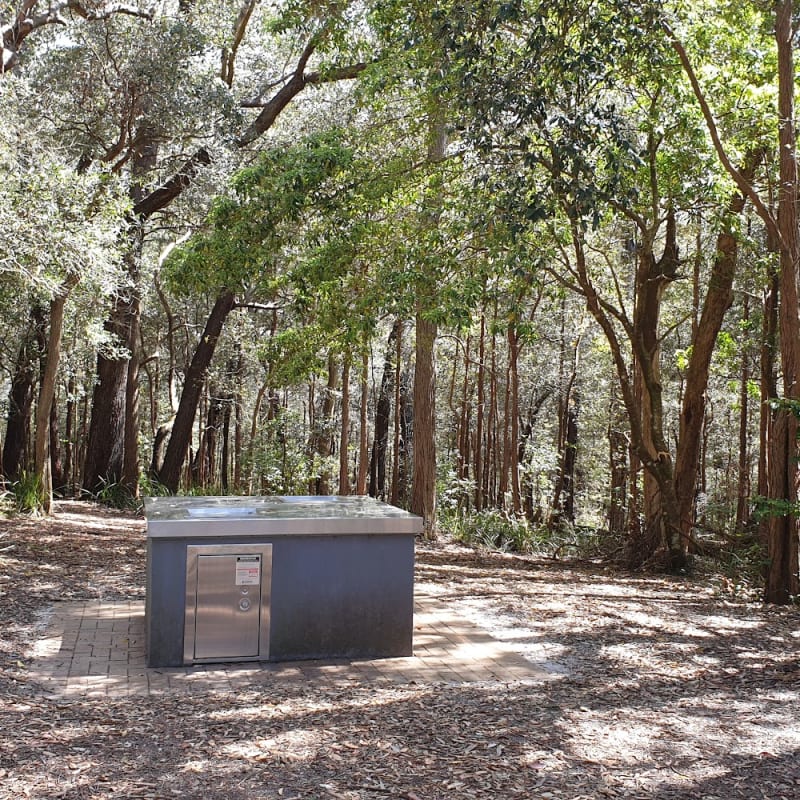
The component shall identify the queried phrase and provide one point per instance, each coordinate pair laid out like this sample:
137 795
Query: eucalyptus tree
155 98
47 262
579 115
774 73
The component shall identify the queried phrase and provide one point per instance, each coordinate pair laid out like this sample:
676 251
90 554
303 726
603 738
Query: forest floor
661 688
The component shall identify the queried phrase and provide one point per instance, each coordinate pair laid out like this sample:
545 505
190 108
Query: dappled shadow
435 742
666 691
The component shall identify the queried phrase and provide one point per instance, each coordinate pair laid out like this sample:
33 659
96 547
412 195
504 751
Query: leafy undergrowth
662 688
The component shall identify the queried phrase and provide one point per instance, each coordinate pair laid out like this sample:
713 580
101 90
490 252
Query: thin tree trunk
363 432
344 438
513 356
251 443
48 389
377 468
17 444
618 468
423 500
743 473
59 480
322 439
768 389
70 426
398 356
490 479
224 467
237 420
479 415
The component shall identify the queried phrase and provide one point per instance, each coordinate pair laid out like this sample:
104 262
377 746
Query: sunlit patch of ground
663 690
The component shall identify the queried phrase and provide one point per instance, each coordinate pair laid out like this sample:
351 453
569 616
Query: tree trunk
16 448
57 472
47 391
479 415
565 508
513 369
618 468
344 439
363 432
490 473
782 580
395 492
170 473
662 513
718 298
237 420
224 466
406 417
130 450
423 500
768 389
377 467
206 457
564 497
70 426
322 438
743 471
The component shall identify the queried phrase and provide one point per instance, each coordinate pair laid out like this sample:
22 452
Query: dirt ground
662 689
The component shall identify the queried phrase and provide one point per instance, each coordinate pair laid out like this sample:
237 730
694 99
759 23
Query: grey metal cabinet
277 578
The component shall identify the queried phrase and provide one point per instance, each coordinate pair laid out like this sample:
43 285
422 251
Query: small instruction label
248 570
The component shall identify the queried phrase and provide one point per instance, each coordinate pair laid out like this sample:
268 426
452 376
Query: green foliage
493 530
281 464
499 531
116 495
247 231
28 494
774 507
150 487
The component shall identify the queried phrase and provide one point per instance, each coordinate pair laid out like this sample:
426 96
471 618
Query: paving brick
101 653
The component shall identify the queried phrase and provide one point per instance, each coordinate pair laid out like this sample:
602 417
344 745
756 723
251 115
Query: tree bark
16 447
423 500
479 416
59 479
743 467
395 492
718 298
363 432
344 438
47 391
618 469
782 579
175 455
513 370
380 441
322 438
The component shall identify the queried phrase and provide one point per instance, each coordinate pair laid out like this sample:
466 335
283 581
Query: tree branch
745 187
296 83
27 21
168 191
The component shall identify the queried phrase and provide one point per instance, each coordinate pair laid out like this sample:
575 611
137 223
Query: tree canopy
524 265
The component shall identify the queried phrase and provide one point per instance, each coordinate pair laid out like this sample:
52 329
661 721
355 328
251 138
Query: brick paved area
96 648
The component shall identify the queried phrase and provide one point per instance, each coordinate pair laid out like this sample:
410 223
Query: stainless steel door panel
227 616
